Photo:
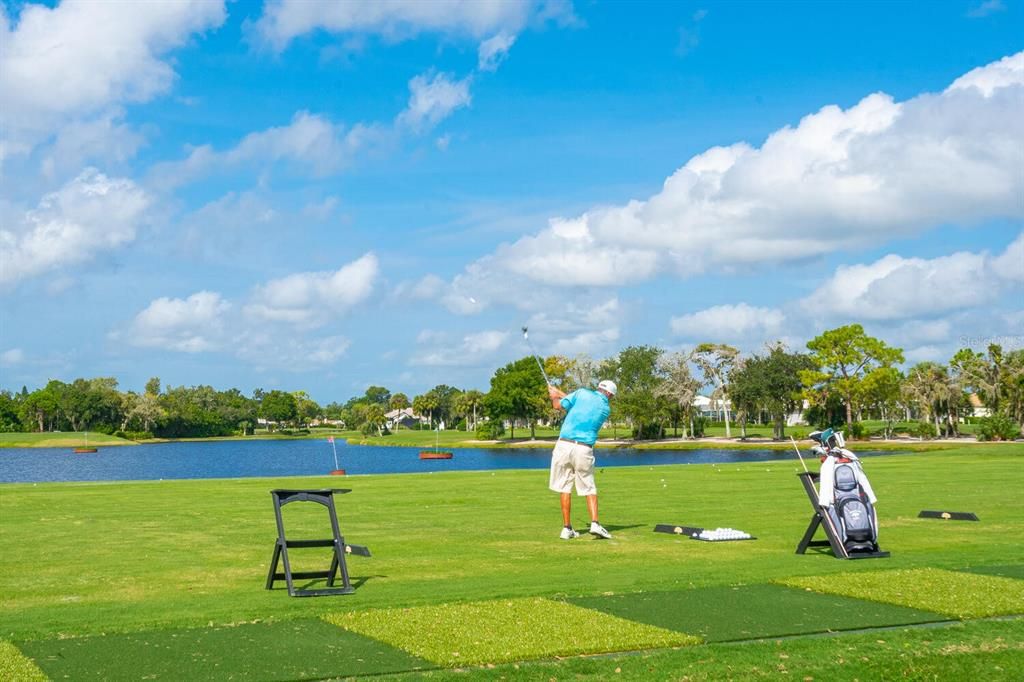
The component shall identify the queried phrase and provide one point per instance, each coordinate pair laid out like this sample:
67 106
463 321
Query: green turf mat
1010 571
16 667
751 611
992 651
301 649
961 595
505 630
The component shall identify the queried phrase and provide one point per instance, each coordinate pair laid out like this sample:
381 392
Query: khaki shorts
572 463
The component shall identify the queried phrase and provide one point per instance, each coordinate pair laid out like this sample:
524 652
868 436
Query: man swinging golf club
572 460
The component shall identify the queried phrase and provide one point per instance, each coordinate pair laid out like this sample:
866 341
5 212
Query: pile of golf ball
723 534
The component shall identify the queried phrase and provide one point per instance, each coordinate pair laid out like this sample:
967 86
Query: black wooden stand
822 519
281 547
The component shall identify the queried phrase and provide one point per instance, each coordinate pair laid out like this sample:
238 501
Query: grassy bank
610 437
59 439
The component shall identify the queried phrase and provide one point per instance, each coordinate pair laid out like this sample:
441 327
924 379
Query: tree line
844 378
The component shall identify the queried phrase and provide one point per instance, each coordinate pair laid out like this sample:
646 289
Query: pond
270 458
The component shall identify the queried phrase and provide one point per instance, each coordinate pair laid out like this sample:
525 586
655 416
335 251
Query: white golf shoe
599 530
568 534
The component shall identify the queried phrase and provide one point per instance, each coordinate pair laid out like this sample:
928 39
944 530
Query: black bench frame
282 545
822 519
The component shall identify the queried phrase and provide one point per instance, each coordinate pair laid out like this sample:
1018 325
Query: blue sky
324 196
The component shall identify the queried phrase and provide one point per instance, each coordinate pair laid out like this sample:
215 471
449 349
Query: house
712 408
405 418
978 408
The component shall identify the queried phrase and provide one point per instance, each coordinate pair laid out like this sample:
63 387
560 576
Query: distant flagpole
334 447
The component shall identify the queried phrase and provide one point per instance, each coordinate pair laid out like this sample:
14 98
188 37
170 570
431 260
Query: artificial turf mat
298 649
957 594
752 611
992 651
14 665
1011 571
505 630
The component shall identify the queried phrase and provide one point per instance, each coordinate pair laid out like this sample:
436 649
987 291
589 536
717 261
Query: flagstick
338 471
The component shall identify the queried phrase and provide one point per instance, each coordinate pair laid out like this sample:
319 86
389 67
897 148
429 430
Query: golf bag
846 495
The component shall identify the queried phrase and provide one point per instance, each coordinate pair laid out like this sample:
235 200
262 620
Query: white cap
609 386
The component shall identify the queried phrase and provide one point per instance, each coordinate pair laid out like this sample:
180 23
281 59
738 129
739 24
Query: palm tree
426 404
930 386
467 404
398 401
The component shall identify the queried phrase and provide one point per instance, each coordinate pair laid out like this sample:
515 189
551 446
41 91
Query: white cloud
730 323
284 20
12 357
894 287
80 58
593 343
587 325
494 50
428 287
433 100
191 325
927 353
986 8
87 216
224 227
320 210
103 138
916 332
1010 264
1007 72
310 142
841 179
267 350
473 349
206 322
307 298
689 34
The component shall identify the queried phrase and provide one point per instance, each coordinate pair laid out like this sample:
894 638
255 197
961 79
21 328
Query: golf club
797 448
535 356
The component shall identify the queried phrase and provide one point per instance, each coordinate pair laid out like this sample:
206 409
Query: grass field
58 439
468 579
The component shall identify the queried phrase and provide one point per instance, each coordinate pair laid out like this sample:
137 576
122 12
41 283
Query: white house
404 417
978 408
712 408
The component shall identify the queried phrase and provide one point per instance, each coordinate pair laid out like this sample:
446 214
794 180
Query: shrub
134 435
998 427
649 432
490 430
700 424
856 431
924 430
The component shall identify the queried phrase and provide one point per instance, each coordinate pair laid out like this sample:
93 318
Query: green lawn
58 439
90 559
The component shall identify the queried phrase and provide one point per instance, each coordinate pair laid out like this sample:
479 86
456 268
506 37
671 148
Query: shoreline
712 442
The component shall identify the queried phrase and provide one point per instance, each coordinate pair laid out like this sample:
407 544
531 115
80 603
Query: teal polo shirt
586 410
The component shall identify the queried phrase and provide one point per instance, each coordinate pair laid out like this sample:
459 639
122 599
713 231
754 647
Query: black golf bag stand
822 519
281 547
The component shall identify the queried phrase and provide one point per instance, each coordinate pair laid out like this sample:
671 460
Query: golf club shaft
797 448
536 357
546 380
